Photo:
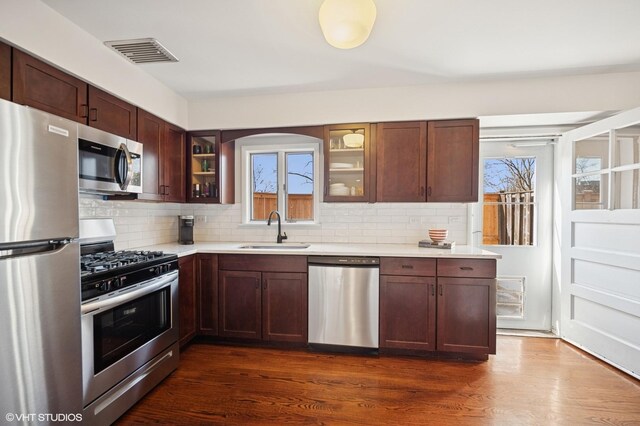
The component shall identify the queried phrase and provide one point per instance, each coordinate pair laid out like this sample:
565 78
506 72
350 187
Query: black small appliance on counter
185 224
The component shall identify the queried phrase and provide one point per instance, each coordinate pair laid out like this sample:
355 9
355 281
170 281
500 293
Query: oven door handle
130 295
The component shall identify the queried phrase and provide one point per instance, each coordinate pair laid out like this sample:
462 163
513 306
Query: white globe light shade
347 23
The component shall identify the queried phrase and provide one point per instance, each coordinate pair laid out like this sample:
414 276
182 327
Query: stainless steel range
129 322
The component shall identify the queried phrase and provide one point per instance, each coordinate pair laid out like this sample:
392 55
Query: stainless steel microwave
108 164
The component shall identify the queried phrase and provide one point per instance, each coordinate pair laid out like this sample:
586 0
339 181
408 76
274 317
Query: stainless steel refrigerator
40 355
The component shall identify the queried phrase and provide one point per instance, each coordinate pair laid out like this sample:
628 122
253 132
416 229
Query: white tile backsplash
140 224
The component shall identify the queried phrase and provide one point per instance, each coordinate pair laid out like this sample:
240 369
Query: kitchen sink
283 246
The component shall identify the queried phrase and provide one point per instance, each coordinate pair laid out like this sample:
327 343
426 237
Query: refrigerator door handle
28 248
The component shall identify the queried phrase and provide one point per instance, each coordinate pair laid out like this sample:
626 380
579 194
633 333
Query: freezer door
40 355
38 175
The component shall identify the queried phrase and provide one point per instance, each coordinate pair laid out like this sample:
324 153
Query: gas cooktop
94 263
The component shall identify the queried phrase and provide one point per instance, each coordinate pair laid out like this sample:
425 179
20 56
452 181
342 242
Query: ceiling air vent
142 50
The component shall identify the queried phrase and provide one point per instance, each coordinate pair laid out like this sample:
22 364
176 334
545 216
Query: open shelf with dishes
347 150
209 168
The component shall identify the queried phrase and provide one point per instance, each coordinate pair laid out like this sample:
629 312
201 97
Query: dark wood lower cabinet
454 313
187 299
240 304
466 315
284 307
207 282
408 312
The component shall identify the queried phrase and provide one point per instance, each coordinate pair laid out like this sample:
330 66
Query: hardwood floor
530 381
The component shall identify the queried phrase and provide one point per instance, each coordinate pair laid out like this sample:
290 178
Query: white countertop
327 249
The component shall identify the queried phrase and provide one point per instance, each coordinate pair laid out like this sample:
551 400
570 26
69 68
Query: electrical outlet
201 219
455 219
414 219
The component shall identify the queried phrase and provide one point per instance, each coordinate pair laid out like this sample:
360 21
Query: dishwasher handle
343 261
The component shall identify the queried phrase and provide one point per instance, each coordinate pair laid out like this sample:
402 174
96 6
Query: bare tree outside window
508 211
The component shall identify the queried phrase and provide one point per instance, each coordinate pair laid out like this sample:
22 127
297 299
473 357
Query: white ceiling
247 47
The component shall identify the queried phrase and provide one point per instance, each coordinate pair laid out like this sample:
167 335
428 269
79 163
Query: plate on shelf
340 165
339 191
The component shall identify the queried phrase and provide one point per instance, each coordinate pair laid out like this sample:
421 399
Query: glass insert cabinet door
346 157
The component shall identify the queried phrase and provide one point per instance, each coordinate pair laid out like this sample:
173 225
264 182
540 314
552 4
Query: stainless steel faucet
280 235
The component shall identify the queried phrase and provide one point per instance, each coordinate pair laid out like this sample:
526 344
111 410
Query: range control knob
158 270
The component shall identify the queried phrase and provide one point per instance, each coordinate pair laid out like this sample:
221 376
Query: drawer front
263 263
472 268
408 266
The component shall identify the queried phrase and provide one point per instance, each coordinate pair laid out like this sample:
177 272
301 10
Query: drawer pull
466 268
407 266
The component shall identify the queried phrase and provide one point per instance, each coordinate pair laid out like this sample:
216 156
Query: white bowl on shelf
336 185
353 140
343 190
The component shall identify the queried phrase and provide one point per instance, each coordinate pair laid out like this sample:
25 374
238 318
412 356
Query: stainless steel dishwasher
343 302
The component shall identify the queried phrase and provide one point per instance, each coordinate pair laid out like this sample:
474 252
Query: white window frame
280 150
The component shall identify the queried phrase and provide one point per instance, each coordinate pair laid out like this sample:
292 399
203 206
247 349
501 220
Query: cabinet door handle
422 191
433 289
466 268
325 189
85 111
93 114
166 190
429 191
215 192
441 289
407 266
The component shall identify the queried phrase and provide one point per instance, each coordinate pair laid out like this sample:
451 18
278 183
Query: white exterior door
514 218
599 187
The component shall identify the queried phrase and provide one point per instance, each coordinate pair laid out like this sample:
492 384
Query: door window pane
628 145
264 185
509 201
590 192
299 194
627 189
592 155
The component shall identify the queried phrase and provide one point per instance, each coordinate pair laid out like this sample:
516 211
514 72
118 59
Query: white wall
598 92
37 29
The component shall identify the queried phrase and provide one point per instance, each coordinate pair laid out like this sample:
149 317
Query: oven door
123 332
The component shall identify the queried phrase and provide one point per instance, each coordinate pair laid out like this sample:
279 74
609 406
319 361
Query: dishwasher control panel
344 260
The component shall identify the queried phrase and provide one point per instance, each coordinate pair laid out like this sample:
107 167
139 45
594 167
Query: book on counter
442 245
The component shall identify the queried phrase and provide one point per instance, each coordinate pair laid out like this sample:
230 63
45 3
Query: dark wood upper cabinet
111 114
5 71
453 156
210 168
151 136
187 299
401 155
163 161
173 164
46 88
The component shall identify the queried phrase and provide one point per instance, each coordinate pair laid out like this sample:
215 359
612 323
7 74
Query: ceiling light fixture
347 24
